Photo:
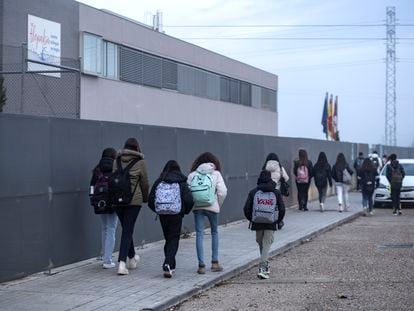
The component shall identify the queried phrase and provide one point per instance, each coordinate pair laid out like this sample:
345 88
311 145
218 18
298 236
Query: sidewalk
86 286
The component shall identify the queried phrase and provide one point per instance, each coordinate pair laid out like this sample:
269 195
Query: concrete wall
110 100
46 164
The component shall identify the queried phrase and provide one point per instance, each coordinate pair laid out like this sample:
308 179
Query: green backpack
203 189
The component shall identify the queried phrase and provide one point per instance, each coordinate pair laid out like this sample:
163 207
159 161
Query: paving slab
86 286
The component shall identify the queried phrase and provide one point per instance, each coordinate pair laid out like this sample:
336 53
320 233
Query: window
131 65
110 60
92 54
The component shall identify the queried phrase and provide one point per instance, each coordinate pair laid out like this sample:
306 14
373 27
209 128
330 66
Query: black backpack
99 195
321 176
120 184
368 182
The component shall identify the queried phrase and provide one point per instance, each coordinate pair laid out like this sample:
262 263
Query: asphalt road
367 264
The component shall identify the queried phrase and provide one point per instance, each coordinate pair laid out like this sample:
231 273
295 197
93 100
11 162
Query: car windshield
408 169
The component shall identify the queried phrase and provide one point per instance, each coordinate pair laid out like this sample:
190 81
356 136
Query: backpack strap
127 168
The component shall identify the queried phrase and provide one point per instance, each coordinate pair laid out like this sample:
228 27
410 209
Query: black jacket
338 175
268 186
105 166
322 175
394 165
369 180
309 166
186 196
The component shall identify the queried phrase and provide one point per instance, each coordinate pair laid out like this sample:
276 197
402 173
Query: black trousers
302 194
171 227
127 217
395 197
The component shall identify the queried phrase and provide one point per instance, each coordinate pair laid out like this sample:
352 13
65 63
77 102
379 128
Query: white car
382 194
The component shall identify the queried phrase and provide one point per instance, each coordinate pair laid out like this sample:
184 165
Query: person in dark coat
357 165
264 231
342 174
395 174
322 177
302 168
369 180
109 220
171 224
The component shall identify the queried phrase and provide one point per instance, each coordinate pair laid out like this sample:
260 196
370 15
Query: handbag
284 187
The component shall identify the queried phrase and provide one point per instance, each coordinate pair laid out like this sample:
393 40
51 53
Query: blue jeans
109 223
367 201
199 227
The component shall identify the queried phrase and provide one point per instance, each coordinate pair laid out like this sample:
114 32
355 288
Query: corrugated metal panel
169 74
130 65
152 70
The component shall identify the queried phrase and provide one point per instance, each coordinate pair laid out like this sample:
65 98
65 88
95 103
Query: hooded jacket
221 189
138 173
394 165
265 185
185 193
277 171
105 166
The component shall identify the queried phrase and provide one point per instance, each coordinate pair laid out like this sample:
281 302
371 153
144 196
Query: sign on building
43 44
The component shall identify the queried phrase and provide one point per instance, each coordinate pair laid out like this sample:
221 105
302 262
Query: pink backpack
302 176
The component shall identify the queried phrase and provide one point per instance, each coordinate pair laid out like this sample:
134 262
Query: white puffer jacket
221 189
273 167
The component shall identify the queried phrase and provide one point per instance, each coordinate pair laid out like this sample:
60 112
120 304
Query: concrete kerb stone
228 274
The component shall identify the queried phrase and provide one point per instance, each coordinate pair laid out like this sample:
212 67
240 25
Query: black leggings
302 194
171 227
127 217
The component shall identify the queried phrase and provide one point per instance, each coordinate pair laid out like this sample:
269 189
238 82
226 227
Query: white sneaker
122 270
133 262
321 206
108 265
262 274
341 208
371 213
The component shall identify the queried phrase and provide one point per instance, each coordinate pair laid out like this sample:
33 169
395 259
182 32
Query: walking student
302 168
130 169
278 175
342 174
209 191
369 180
100 200
395 174
357 164
264 207
322 177
171 199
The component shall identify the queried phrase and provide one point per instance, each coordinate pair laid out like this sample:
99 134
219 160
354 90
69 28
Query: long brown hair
206 157
132 144
303 157
340 163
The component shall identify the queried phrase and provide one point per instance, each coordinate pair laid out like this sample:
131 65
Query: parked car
382 193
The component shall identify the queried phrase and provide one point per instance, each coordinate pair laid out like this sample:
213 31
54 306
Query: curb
238 270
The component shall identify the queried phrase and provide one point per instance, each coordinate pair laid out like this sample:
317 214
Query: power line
289 38
284 25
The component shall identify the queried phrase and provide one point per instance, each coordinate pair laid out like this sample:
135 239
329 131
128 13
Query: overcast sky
352 70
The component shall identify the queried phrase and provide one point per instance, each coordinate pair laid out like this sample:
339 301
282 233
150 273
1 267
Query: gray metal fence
46 164
39 88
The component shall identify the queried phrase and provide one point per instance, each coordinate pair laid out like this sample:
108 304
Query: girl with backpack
368 180
278 175
322 176
395 174
342 174
171 198
209 191
109 220
130 158
302 168
270 199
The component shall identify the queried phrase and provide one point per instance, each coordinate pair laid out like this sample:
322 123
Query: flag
330 116
324 121
335 121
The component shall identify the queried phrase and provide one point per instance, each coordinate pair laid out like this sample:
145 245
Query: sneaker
371 213
168 272
399 212
321 207
340 208
108 265
133 262
122 270
216 267
262 274
267 268
305 209
201 270
394 213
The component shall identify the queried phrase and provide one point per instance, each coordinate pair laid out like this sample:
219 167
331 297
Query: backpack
264 208
167 199
99 195
321 177
346 177
120 183
203 189
396 176
375 161
302 176
368 183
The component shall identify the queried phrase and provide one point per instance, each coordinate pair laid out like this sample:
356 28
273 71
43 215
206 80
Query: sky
307 67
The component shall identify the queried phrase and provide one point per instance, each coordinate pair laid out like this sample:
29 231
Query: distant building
129 72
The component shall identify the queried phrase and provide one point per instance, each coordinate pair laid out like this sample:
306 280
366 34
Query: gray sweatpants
265 240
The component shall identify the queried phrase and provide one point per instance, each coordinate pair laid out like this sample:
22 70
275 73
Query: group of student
119 188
